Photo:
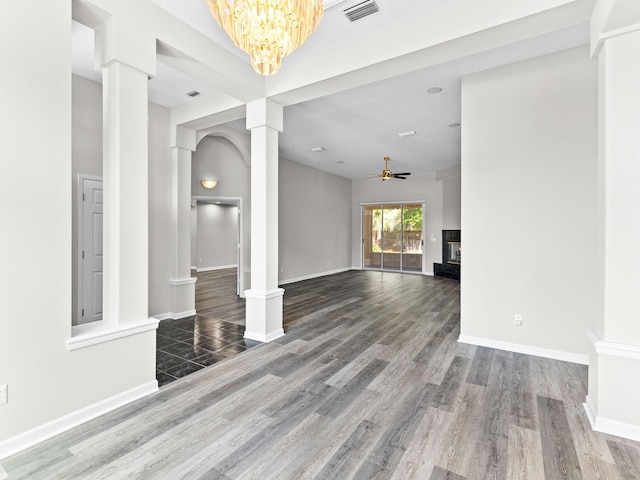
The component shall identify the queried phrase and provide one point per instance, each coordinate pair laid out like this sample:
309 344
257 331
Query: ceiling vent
360 10
193 93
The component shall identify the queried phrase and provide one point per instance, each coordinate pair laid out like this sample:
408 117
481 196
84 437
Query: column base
264 315
612 405
183 297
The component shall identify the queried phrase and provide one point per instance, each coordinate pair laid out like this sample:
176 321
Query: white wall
418 187
314 222
451 206
36 282
529 159
217 235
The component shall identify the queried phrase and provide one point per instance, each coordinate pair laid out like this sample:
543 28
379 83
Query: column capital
184 138
117 40
265 113
612 18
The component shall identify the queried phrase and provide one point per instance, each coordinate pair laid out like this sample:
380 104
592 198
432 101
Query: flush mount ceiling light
317 149
267 30
410 133
434 90
209 183
454 125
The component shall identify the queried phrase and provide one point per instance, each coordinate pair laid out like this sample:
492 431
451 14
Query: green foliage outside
395 221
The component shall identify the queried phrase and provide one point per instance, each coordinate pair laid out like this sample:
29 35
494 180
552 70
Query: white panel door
90 283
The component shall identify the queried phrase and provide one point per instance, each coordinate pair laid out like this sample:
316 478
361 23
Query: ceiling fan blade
402 174
401 178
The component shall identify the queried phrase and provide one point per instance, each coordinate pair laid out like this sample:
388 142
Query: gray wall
451 203
529 160
314 222
217 234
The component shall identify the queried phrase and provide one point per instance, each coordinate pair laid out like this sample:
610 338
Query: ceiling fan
387 174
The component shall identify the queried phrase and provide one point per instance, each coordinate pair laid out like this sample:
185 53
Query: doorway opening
216 237
393 237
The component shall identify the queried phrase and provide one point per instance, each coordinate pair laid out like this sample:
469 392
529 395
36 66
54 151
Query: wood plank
430 441
346 461
558 450
480 366
442 474
525 454
445 399
459 455
627 459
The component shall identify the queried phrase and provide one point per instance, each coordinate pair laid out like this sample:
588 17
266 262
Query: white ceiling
357 127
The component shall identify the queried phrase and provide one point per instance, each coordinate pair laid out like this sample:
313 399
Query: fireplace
451 255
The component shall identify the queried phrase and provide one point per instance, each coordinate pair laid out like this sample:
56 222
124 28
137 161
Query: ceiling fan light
267 30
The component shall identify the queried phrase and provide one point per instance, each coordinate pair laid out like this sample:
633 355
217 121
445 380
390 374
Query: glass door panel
372 241
412 237
392 237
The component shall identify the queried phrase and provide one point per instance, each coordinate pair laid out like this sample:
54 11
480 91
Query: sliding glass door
392 237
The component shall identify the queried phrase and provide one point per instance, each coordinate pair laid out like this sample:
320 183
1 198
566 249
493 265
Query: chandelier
267 30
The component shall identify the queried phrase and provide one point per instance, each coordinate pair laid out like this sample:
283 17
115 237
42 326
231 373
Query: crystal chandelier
267 29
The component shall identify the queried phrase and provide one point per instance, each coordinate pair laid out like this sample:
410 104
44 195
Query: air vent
360 10
193 93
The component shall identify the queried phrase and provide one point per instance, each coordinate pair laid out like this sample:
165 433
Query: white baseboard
259 337
613 349
313 275
174 315
526 349
612 427
38 434
220 267
358 267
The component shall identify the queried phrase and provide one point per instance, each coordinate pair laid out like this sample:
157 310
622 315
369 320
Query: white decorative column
613 403
126 67
264 299
183 294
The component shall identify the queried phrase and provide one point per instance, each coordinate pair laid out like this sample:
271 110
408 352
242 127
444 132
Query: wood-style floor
368 383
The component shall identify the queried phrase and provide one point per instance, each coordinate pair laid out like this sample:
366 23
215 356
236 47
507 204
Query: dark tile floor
189 344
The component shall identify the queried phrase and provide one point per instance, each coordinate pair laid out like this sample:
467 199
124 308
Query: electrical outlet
517 318
4 390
